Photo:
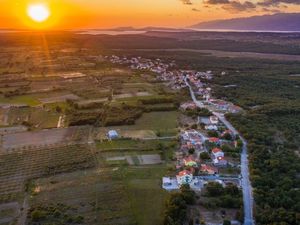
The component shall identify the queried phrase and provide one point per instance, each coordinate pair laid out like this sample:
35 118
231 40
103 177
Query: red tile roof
215 150
184 172
213 139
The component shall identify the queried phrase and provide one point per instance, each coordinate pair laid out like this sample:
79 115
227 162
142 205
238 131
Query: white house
211 127
112 134
214 120
169 183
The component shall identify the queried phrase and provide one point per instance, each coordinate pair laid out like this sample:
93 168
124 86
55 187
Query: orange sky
74 14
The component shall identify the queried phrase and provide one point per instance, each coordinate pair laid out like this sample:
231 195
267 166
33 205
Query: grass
147 199
146 196
24 99
157 121
107 196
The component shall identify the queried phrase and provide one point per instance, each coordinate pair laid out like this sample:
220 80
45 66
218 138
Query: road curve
246 184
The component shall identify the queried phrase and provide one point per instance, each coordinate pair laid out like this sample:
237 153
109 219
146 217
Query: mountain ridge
275 22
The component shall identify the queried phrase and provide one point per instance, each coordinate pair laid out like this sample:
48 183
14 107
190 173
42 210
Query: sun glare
38 12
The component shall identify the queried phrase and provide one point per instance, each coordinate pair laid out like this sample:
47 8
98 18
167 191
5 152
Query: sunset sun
38 12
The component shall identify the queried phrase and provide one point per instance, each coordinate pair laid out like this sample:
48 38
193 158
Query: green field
23 99
158 121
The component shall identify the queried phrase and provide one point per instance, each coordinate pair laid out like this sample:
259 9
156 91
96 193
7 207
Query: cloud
236 6
278 2
187 2
217 2
196 10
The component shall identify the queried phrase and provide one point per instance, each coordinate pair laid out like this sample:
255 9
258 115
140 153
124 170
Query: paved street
246 185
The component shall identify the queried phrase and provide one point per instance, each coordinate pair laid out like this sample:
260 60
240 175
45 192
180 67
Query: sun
38 12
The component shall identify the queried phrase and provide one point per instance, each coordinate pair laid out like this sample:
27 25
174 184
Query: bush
37 215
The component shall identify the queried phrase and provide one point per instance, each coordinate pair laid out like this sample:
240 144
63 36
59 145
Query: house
191 139
214 120
214 140
184 177
204 120
217 152
211 170
112 134
227 132
188 105
211 127
220 161
169 183
190 161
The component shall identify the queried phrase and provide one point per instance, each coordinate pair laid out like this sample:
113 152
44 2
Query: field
20 166
112 196
45 138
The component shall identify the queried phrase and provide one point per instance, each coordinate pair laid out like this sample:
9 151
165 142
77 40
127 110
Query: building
170 184
214 140
190 161
184 177
211 170
188 105
217 152
220 161
191 139
211 127
214 120
112 134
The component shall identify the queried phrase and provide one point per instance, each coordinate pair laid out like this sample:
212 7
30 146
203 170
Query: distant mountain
276 22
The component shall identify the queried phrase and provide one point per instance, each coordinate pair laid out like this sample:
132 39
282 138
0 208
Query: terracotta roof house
214 140
208 169
184 177
217 152
190 161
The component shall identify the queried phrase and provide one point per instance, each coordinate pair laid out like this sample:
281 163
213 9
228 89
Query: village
209 151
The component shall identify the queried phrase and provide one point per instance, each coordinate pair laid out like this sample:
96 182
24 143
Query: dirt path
23 212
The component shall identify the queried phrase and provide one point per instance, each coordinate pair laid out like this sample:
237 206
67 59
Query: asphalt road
246 185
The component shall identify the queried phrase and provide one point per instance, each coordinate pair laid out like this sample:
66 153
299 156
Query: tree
191 151
227 136
204 156
58 109
213 133
188 194
214 189
226 222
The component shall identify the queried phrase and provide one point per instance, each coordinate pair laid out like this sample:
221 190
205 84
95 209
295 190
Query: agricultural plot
133 145
148 126
20 100
93 195
3 117
61 98
163 123
126 133
9 212
37 118
109 196
136 159
18 167
44 138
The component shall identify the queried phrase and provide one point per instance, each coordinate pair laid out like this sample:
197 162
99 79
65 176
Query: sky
81 14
